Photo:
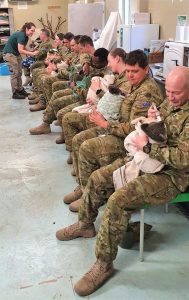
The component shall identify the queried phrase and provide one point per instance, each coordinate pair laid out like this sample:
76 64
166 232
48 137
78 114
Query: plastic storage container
4 70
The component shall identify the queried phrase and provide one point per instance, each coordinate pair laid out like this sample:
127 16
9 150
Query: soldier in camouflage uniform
63 49
45 82
83 121
72 58
59 46
43 49
91 151
70 96
152 189
73 122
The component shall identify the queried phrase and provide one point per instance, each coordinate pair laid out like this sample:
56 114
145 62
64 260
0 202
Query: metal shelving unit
6 26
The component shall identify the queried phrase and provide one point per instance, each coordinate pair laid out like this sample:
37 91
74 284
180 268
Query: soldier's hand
98 119
152 111
54 67
90 101
95 85
68 61
49 69
139 141
34 53
72 84
86 69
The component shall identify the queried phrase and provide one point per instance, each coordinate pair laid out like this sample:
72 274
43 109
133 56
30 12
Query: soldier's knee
94 179
113 200
59 114
85 148
77 141
66 118
55 102
90 146
118 200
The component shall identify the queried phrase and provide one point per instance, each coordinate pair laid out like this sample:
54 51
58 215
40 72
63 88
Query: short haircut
86 40
76 38
102 54
46 31
60 36
137 57
68 36
119 52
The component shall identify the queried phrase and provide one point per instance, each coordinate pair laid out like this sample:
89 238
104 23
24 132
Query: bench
181 198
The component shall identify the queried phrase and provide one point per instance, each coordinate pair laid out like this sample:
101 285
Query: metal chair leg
167 208
142 234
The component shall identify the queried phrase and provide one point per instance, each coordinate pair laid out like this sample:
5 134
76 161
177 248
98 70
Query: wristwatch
147 148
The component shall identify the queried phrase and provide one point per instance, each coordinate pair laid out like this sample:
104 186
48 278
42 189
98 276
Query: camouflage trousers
60 85
15 66
46 85
59 100
37 64
73 123
36 74
62 112
148 188
26 71
92 150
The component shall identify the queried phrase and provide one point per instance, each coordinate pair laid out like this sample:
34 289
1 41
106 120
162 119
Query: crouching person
146 188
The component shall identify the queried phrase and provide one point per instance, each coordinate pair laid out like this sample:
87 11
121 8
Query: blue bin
4 69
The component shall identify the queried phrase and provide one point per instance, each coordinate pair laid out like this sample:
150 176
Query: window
125 11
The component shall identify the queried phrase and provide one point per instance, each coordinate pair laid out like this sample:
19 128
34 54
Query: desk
160 80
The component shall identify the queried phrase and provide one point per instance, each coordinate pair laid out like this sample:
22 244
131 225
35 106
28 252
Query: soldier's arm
174 156
122 85
85 58
63 74
43 49
164 109
139 107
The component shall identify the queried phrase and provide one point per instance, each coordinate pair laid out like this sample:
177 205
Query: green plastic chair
183 197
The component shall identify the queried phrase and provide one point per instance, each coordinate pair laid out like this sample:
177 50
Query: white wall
4 3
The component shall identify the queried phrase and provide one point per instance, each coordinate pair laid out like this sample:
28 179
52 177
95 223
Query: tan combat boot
60 139
74 206
75 195
70 159
41 105
32 96
44 128
34 101
73 173
94 278
132 234
76 230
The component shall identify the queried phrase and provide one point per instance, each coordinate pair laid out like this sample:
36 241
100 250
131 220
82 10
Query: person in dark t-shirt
12 51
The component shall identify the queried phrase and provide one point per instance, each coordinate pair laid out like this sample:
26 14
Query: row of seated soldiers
95 138
46 48
61 93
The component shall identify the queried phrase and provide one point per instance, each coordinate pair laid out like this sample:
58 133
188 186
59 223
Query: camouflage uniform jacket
137 102
120 82
68 54
64 73
44 47
62 49
175 154
81 91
